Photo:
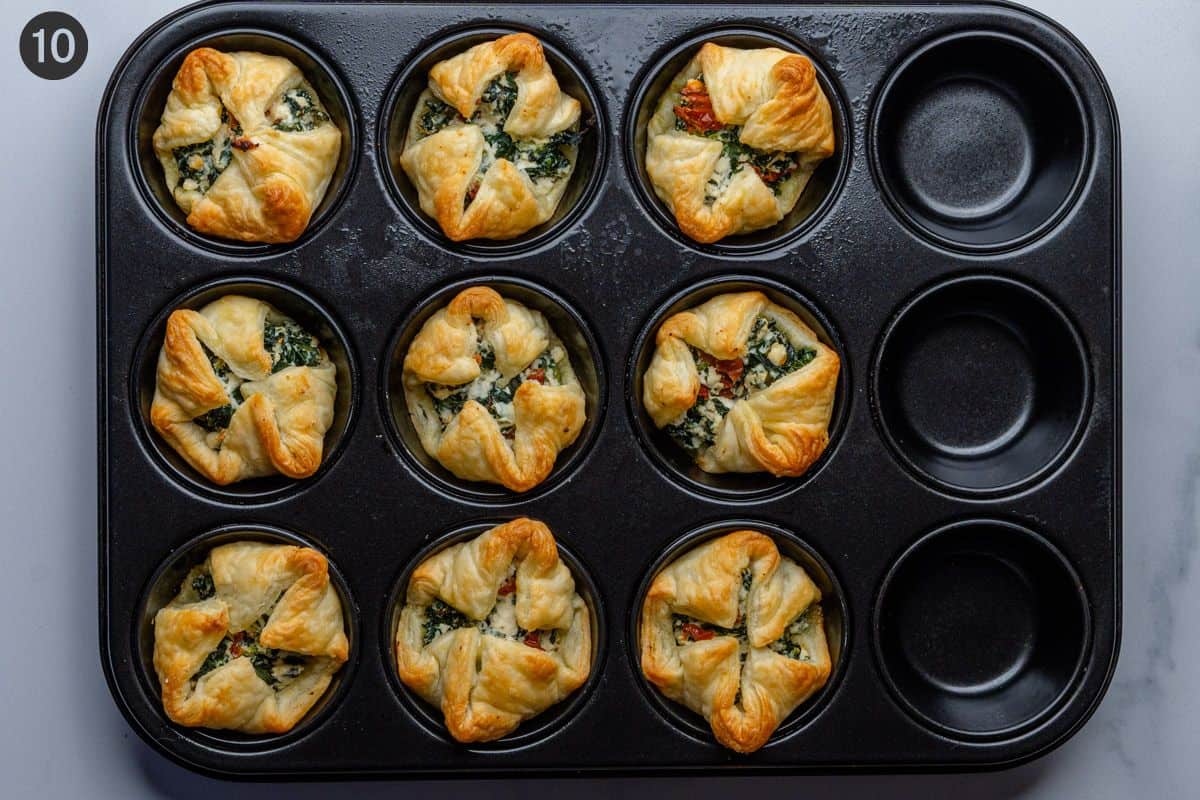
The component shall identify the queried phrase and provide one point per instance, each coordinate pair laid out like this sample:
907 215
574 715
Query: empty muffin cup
582 351
979 140
819 193
668 455
165 584
981 384
313 318
152 100
401 102
981 629
532 730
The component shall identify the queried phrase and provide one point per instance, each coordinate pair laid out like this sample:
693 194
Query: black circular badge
53 45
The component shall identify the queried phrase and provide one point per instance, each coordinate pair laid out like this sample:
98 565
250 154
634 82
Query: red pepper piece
696 633
696 110
533 640
538 375
508 587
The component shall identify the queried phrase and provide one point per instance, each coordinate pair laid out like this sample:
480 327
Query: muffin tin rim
679 717
481 249
1060 216
488 495
655 210
1043 474
326 706
1055 707
560 715
154 448
351 144
1104 665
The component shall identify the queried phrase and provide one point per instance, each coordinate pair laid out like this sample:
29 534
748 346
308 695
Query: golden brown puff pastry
734 631
735 138
493 141
493 632
743 385
243 391
247 148
491 391
251 641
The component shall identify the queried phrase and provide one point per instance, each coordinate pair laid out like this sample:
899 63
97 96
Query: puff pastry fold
734 631
491 391
736 137
252 640
243 391
743 385
493 632
493 140
246 146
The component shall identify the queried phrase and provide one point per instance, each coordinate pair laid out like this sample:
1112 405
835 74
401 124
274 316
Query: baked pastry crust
217 643
766 99
734 631
274 177
782 427
467 176
279 413
509 341
518 639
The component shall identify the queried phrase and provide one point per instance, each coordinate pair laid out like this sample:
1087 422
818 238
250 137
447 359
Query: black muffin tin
960 251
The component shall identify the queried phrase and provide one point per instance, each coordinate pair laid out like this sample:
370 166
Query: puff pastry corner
246 146
734 631
735 138
251 641
493 632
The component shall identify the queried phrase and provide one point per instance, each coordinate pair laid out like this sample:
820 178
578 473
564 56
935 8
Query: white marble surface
62 735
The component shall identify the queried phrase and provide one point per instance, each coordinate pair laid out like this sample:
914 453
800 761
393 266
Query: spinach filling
298 111
491 390
548 159
793 641
501 621
440 618
276 668
770 355
436 116
218 419
289 345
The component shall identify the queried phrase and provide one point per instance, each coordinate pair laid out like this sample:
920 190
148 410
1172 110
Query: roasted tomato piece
695 108
235 646
703 392
731 368
508 587
696 633
533 640
538 375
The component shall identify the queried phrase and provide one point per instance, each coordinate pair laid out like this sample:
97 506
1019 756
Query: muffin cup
586 361
164 585
979 141
671 459
819 194
312 317
153 99
833 607
585 179
982 629
533 730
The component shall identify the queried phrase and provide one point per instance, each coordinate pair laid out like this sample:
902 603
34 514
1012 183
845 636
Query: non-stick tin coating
894 226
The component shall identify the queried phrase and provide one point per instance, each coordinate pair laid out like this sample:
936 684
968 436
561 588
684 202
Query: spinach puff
743 385
491 392
735 632
492 631
246 146
493 140
735 138
243 391
252 639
